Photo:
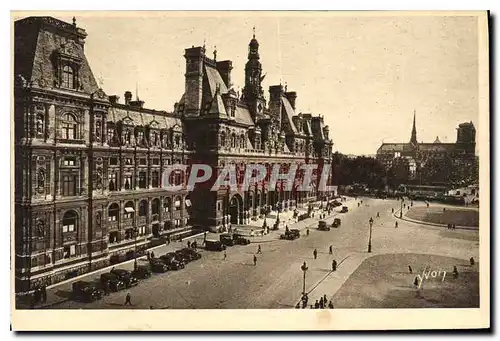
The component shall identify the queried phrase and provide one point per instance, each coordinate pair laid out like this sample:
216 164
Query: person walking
307 231
259 250
321 304
416 282
331 250
254 260
334 265
225 255
127 299
315 254
330 305
378 215
392 210
316 305
189 244
472 261
152 255
396 225
168 239
455 272
410 269
324 300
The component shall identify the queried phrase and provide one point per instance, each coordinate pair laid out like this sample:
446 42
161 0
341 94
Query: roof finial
204 41
286 86
136 90
254 32
215 52
74 21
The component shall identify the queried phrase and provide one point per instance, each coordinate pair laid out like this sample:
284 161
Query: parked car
114 283
240 240
86 291
214 245
295 232
322 226
172 262
158 266
126 277
336 222
188 255
336 203
344 209
226 239
142 272
291 234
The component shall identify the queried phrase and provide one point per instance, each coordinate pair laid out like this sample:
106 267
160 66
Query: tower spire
254 32
413 139
136 90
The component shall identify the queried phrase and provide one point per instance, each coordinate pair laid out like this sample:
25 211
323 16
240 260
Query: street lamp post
136 232
401 211
304 270
370 239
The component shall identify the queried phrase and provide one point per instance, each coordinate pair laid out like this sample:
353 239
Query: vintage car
290 234
322 226
172 262
336 203
112 281
158 266
86 291
336 222
126 277
240 240
142 272
214 245
344 209
226 239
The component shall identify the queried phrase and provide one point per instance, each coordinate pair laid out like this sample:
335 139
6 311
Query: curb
433 224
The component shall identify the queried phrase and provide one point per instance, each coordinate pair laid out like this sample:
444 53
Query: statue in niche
98 219
40 228
98 180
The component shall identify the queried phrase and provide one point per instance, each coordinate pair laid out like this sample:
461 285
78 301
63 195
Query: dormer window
68 77
140 136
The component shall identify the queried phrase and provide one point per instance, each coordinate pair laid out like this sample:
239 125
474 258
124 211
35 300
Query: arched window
129 210
143 208
39 125
113 212
242 141
155 206
233 141
70 219
41 178
112 182
68 80
69 127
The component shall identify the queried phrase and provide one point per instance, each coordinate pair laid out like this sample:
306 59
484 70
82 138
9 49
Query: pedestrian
330 305
455 272
148 256
316 305
311 307
472 261
409 268
152 255
324 299
454 226
427 205
331 250
44 293
321 304
150 307
392 210
259 250
297 306
378 215
168 239
37 295
127 299
307 231
396 225
254 260
106 288
334 265
225 255
315 254
189 244
415 282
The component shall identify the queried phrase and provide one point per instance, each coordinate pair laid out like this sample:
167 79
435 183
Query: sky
365 74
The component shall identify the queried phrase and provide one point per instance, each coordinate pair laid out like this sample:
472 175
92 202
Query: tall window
68 185
142 179
69 127
128 181
68 80
155 181
233 141
111 134
113 212
140 136
112 182
143 208
155 206
69 221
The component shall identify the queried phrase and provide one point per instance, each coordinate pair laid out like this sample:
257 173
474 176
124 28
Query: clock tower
253 94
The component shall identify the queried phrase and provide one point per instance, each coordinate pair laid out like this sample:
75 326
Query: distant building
417 155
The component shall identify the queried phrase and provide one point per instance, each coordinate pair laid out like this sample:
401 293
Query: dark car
336 203
142 272
125 276
112 281
240 240
226 239
322 226
187 255
158 266
214 245
172 262
344 209
294 232
291 234
86 291
336 222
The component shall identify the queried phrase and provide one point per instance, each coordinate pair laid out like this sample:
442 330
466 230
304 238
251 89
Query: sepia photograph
267 170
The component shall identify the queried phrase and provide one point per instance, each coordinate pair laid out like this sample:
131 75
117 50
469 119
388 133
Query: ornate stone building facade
88 179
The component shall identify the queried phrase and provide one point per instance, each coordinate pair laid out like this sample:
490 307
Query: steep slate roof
242 115
217 107
394 147
214 80
437 147
289 113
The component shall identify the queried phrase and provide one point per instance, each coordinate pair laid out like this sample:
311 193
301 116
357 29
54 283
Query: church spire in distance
413 139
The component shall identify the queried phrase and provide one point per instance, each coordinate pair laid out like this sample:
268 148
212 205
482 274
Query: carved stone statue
40 228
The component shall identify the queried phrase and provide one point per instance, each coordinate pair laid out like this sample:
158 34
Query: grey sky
366 75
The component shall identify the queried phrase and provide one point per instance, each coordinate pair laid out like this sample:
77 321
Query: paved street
276 280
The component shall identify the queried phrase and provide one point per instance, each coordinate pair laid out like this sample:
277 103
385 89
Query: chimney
224 68
291 96
136 104
275 91
113 99
128 97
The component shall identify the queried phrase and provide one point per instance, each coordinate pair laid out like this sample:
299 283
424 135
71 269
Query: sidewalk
405 218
